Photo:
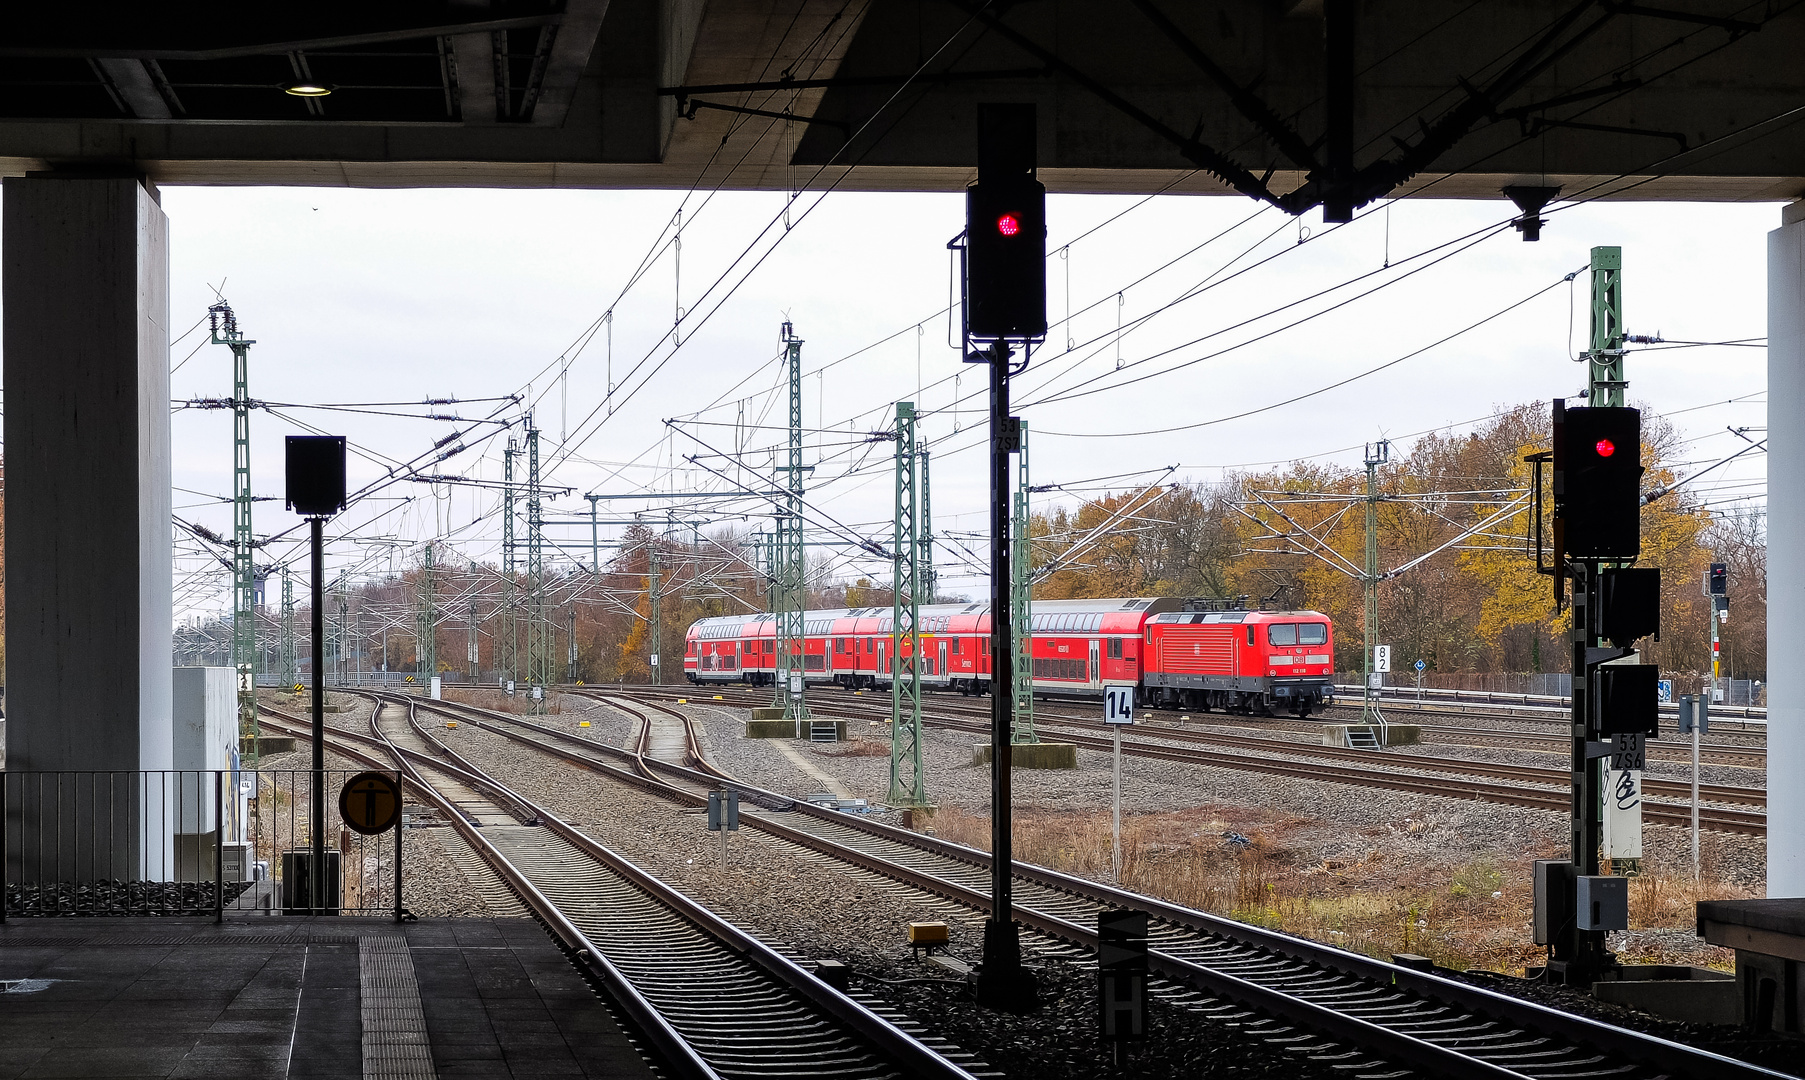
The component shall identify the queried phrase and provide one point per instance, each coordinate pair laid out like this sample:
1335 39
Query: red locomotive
1177 654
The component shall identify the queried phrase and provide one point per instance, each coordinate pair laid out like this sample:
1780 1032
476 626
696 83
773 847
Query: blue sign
1420 665
1665 689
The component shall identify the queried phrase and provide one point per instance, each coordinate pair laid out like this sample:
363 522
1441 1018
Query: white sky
378 296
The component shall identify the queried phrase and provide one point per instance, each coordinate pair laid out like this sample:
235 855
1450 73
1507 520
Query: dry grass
496 701
857 747
1473 912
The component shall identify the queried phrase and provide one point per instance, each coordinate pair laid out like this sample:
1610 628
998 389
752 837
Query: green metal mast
908 787
426 622
507 634
1377 454
538 649
790 571
291 668
765 561
930 579
654 595
341 632
224 324
1021 607
595 537
1604 363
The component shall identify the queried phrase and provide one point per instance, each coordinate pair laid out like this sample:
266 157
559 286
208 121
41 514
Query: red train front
1239 661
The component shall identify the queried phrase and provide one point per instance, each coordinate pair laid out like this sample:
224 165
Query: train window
955 646
984 646
1115 648
1250 635
1282 633
1313 633
868 645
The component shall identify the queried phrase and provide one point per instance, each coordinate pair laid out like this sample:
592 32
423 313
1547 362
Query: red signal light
1605 448
1009 225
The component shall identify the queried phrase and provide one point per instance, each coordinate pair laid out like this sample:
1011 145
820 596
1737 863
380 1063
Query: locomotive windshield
1310 633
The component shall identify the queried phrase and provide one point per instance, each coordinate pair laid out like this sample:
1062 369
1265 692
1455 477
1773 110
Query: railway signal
315 474
1598 478
1006 230
1596 456
1005 292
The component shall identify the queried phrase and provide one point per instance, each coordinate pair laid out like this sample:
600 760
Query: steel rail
1425 1052
1554 778
677 1054
896 1046
1549 797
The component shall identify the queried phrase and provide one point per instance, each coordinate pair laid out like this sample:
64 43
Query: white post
1786 554
723 846
1115 861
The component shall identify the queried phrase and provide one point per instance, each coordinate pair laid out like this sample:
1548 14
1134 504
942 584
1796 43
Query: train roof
731 625
1250 615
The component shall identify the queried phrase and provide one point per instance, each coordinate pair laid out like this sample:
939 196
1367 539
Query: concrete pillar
85 269
1786 554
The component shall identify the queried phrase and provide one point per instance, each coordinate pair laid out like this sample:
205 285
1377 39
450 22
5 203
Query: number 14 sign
1118 705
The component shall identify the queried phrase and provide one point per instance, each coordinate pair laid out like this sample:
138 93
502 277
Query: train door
943 669
883 649
1096 666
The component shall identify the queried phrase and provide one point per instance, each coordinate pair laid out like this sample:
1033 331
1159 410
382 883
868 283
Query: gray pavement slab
281 997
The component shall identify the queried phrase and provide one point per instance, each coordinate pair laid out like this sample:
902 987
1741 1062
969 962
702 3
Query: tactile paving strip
394 1026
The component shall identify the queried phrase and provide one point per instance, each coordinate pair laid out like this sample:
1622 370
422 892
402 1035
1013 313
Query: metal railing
187 842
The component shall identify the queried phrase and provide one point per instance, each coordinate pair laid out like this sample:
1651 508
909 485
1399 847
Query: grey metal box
1602 903
1553 898
297 883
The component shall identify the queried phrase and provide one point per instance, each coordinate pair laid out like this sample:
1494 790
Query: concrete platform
300 997
1769 939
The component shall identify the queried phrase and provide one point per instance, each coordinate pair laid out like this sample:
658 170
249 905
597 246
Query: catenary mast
907 785
790 571
224 324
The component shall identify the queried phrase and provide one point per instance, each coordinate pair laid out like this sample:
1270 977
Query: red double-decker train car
1177 655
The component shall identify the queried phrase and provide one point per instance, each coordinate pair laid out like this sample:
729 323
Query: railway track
1749 753
1515 785
715 1001
1405 1018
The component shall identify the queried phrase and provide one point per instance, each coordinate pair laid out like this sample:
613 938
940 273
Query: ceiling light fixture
306 88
